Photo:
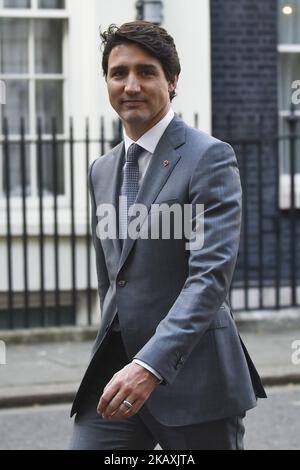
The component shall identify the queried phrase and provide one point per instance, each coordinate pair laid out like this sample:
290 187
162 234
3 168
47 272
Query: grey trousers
142 431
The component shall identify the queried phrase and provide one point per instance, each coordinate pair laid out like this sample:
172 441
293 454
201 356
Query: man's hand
133 383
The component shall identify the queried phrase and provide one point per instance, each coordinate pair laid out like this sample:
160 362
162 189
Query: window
15 4
49 4
32 67
289 72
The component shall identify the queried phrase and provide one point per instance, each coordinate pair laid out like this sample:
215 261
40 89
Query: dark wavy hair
150 37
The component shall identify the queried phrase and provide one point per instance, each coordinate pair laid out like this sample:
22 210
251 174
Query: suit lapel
157 174
113 185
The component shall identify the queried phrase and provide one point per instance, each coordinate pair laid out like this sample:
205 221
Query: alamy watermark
295 358
2 353
296 94
163 221
2 92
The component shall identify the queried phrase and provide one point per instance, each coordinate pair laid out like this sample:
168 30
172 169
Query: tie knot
133 153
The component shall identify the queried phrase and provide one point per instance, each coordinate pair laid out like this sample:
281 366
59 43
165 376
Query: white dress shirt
149 142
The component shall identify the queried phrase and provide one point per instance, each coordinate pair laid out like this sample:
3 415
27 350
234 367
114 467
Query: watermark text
2 92
2 353
296 354
296 93
163 222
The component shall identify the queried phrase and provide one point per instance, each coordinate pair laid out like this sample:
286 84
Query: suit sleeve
102 274
215 182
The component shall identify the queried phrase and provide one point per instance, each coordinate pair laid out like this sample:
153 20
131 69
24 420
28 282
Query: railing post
292 122
24 214
260 211
73 235
88 236
40 171
56 236
11 319
117 133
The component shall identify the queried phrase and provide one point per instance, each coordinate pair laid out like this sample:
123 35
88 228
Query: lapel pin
166 163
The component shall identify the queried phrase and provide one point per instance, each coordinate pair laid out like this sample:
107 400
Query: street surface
273 425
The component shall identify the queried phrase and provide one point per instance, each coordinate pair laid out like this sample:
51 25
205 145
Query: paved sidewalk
50 372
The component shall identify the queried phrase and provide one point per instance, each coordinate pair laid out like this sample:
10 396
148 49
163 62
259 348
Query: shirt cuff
153 371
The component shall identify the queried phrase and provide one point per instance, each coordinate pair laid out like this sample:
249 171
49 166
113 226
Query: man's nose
132 84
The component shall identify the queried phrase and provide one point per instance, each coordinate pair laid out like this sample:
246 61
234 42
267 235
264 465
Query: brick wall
244 63
244 87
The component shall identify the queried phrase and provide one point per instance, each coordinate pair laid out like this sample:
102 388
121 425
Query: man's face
137 87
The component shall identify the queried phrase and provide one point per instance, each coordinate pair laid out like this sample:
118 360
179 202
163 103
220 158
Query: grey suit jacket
172 303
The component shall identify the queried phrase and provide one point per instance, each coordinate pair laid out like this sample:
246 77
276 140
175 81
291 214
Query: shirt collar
151 138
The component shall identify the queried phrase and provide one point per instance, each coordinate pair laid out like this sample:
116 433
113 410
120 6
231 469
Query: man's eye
147 73
118 74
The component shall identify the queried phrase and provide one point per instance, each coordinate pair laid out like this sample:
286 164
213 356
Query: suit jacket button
180 362
122 283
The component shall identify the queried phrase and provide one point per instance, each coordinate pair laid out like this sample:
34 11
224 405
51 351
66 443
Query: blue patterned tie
130 186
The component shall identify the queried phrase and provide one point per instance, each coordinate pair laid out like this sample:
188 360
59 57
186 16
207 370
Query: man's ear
172 84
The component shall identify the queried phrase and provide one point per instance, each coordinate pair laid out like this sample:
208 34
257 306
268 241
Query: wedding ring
127 403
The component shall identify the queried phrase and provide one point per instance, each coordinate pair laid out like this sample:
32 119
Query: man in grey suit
168 365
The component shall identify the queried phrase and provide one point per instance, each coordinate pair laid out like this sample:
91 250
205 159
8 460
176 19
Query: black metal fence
24 307
43 232
268 267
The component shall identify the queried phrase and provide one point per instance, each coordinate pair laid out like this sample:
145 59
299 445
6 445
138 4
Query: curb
48 394
36 400
49 335
284 379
